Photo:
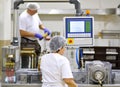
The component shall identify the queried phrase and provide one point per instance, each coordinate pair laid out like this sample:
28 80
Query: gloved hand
39 36
46 31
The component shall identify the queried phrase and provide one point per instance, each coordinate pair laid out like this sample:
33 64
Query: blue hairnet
56 43
33 6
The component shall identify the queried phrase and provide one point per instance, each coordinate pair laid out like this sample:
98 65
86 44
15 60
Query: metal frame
18 2
75 2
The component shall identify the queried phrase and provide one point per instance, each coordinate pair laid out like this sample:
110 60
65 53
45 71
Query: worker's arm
26 34
70 82
41 27
44 29
29 34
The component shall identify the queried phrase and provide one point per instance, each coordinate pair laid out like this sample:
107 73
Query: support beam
46 0
18 2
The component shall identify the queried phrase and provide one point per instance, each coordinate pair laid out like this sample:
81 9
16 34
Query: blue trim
77 60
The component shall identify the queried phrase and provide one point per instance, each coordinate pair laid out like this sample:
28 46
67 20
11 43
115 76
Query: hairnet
33 6
56 43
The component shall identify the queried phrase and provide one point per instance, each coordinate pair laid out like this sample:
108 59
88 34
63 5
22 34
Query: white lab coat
29 23
54 68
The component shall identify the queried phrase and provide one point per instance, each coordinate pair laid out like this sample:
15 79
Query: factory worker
55 68
30 26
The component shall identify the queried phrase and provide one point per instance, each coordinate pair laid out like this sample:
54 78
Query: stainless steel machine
28 76
10 63
99 72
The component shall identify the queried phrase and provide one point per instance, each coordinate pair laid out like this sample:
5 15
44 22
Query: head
32 8
57 43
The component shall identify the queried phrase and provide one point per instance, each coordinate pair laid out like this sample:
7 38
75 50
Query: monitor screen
75 28
78 30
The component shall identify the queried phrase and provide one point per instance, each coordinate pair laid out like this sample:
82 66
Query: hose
77 60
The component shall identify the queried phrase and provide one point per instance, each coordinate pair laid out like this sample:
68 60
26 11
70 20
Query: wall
5 26
109 22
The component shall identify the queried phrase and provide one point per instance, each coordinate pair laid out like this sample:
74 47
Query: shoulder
62 58
45 55
56 56
23 14
36 16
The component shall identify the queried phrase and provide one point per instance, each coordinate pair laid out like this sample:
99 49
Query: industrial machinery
98 72
95 71
79 32
30 52
10 63
28 76
12 72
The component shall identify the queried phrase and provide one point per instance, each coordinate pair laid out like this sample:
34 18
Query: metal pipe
46 1
15 23
17 3
15 40
28 52
32 57
77 7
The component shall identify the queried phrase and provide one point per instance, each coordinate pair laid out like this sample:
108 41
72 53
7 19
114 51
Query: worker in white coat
30 25
55 68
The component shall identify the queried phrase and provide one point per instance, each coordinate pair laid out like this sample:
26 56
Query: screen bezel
80 18
70 19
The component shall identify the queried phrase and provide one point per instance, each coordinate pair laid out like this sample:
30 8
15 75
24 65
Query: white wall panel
5 20
112 23
65 5
54 23
90 4
85 4
109 3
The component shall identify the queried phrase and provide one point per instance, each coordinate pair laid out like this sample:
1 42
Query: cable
77 61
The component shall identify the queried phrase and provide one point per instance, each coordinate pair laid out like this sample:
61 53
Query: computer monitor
79 30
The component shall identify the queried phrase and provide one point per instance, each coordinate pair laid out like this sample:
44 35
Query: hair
56 43
33 6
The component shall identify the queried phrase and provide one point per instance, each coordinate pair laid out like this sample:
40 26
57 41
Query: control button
70 41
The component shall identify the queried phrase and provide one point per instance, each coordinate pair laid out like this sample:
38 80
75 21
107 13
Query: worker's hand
39 36
46 31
